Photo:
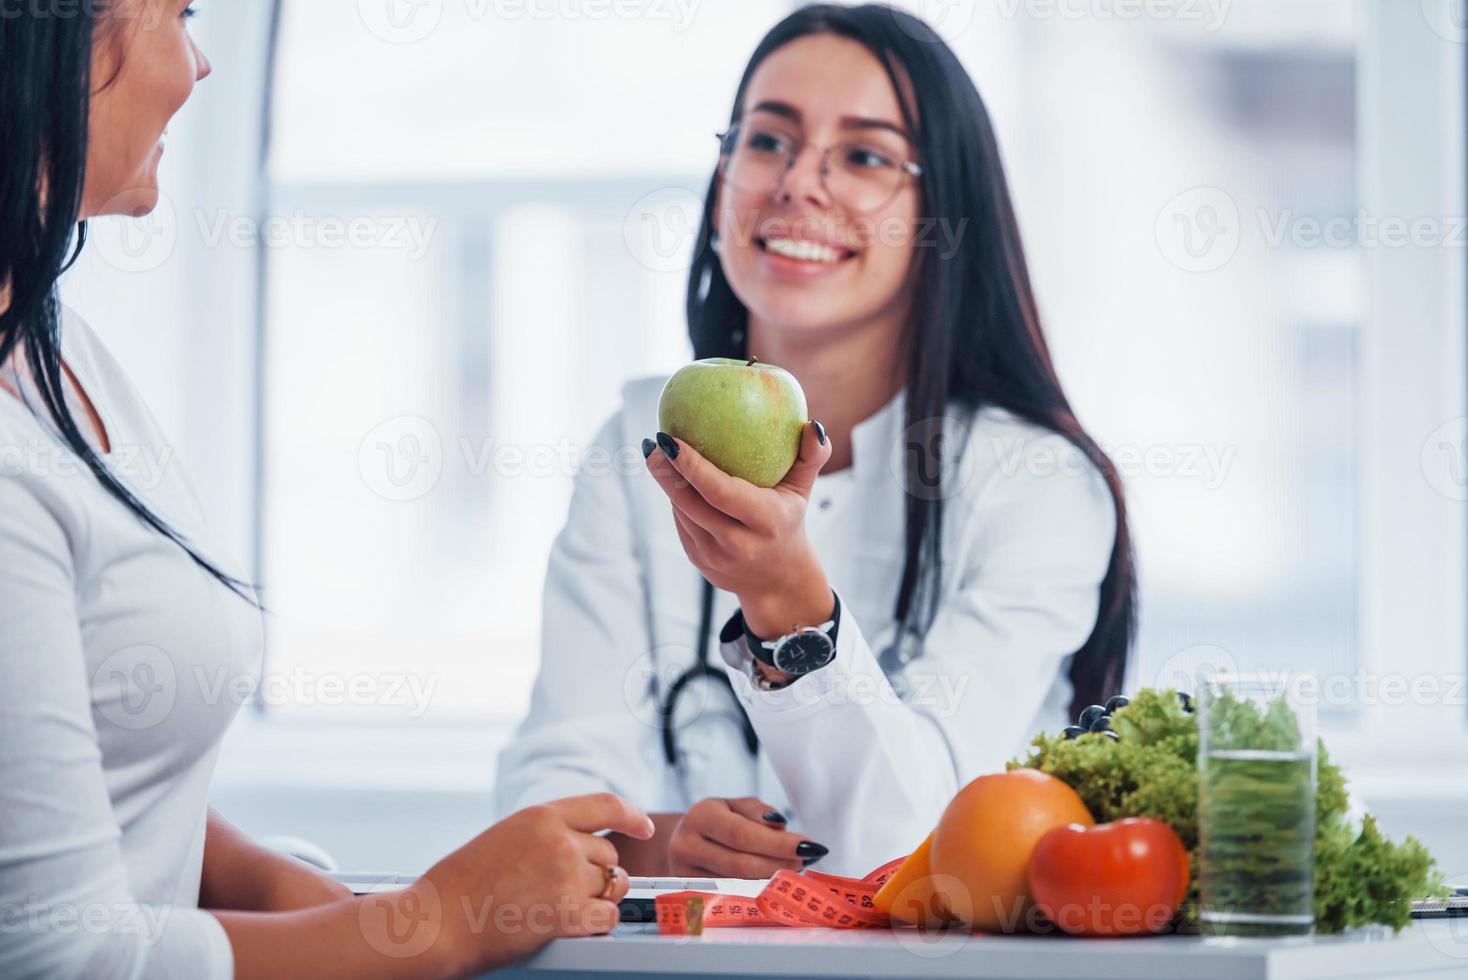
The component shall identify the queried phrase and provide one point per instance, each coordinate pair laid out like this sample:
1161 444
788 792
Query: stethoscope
701 670
897 651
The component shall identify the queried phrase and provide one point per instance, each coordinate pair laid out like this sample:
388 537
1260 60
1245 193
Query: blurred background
411 250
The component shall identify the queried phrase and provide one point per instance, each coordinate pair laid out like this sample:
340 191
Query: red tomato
1113 879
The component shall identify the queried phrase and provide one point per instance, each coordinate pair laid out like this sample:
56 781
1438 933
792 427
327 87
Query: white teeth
804 251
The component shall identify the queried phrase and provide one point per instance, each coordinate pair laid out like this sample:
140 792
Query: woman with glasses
945 570
122 617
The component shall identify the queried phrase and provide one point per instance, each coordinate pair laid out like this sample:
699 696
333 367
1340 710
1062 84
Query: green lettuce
1360 876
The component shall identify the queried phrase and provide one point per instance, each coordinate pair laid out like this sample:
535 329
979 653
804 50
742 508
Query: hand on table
742 838
539 874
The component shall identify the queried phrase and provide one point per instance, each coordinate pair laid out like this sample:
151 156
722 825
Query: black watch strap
756 645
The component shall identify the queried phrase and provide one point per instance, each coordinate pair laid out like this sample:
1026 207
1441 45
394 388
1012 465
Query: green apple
743 416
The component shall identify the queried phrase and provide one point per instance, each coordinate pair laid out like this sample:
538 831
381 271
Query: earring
716 244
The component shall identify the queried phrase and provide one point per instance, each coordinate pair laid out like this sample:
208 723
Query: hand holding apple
743 416
747 539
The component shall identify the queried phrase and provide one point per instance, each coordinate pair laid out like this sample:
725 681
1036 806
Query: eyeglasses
859 175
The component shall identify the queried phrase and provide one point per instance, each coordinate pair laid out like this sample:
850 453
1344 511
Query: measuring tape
803 899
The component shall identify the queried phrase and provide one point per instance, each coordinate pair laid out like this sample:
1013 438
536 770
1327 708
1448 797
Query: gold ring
610 889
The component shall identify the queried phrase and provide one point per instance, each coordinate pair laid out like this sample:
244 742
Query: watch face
804 652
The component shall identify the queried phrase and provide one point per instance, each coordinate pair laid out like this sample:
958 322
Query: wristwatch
804 649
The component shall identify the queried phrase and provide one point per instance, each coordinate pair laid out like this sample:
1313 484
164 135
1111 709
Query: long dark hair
45 102
974 336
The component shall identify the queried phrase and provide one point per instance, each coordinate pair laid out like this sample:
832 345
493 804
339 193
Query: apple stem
752 362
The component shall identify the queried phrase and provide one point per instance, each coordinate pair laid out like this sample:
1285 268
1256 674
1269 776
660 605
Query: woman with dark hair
119 611
958 575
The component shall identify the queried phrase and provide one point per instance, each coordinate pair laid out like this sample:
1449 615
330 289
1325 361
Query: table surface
1425 949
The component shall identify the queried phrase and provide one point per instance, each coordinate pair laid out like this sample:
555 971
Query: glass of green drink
1256 806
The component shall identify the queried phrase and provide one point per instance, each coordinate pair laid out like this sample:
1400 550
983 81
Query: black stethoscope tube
705 670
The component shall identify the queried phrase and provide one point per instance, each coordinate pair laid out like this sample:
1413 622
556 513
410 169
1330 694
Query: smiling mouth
805 251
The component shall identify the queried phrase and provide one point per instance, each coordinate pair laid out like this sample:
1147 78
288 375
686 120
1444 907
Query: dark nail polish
820 431
775 816
668 446
810 849
647 447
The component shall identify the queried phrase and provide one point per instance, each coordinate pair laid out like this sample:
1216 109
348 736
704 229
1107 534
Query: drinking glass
1256 806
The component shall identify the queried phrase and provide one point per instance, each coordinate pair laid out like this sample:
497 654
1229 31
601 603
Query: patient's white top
121 665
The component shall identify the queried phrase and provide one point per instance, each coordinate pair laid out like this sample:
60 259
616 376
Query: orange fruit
909 895
984 841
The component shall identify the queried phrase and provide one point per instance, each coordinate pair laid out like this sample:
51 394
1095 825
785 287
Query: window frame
1413 586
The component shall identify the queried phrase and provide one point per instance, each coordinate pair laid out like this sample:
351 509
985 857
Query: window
482 221
1170 171
1245 227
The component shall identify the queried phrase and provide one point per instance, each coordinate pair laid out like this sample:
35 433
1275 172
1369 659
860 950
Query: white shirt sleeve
66 909
870 773
593 711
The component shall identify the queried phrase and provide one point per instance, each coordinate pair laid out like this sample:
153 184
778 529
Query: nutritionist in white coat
945 570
